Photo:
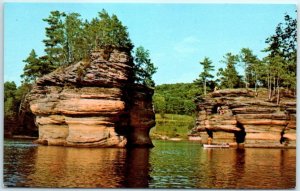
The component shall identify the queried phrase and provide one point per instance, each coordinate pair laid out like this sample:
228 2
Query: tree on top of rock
69 40
252 67
229 77
74 43
35 67
112 33
55 38
281 59
205 74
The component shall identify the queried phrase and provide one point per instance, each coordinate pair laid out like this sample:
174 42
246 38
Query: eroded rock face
93 104
240 116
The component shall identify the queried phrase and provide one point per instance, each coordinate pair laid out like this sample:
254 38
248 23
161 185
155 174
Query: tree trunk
205 86
278 91
246 82
274 86
269 86
255 86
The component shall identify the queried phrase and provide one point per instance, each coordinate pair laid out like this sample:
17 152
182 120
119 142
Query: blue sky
178 36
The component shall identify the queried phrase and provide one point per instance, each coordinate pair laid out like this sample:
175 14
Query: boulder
93 104
240 112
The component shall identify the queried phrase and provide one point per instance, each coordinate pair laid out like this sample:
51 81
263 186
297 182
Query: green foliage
55 38
159 104
35 67
252 67
205 74
143 68
69 40
74 43
111 32
10 106
175 98
229 77
281 59
172 125
13 97
9 90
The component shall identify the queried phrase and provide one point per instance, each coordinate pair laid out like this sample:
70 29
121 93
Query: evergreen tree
252 67
281 60
33 67
91 37
229 77
205 74
143 68
55 40
74 42
112 33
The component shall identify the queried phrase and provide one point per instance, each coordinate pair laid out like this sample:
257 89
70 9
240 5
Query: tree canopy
205 75
229 77
68 40
143 68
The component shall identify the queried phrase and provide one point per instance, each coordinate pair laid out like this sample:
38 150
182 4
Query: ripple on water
167 165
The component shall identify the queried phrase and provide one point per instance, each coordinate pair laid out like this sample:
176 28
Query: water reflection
167 165
18 162
137 168
77 167
248 168
73 167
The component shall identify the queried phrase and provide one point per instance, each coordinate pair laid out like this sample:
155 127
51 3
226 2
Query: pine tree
229 77
251 67
143 68
281 60
33 68
74 42
205 74
55 39
112 33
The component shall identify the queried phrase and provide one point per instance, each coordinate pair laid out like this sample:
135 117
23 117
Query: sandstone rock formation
93 104
240 116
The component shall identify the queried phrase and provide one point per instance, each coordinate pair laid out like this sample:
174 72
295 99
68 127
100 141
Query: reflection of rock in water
137 168
74 167
240 162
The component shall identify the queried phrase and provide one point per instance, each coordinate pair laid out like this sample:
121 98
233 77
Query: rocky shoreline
239 116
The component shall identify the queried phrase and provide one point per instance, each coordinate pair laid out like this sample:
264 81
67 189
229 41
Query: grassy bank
172 125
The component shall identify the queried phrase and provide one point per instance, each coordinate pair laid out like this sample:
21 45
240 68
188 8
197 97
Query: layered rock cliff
242 116
93 104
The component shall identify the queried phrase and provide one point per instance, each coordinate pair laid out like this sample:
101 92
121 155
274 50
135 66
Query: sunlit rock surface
93 104
242 116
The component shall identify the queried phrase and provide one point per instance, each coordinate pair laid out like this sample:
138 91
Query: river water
167 165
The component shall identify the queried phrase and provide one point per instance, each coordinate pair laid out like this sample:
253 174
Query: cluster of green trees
275 71
13 97
69 39
175 98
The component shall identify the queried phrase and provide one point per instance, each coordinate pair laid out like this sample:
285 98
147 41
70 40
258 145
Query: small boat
224 145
